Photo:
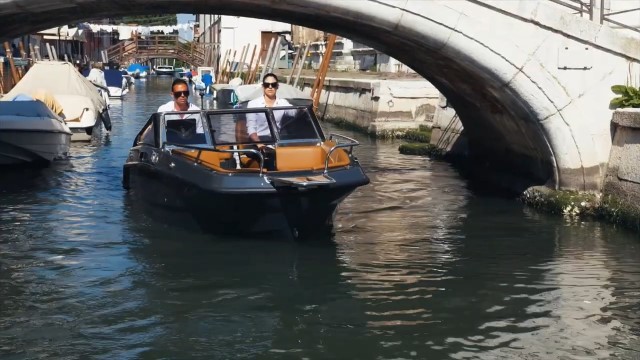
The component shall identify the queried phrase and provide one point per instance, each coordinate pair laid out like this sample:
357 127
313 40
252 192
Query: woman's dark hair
269 74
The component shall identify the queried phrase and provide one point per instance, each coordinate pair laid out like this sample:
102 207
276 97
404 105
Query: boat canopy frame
158 123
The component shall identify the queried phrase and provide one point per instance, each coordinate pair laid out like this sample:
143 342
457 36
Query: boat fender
106 120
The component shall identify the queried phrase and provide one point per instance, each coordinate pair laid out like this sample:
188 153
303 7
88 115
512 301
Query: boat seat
212 159
208 158
292 158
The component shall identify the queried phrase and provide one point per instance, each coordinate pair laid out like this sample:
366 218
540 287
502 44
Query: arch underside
502 128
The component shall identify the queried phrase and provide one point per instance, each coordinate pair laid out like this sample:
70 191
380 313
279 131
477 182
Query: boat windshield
184 129
282 124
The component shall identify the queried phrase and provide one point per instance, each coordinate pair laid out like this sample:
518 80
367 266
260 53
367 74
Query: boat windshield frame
159 123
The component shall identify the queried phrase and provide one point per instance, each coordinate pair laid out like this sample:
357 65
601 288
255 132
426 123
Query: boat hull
165 72
240 203
22 147
90 129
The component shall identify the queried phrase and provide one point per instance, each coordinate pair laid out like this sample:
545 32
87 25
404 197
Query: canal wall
622 178
447 132
618 201
379 107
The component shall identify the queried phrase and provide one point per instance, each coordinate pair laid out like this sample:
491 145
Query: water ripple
420 267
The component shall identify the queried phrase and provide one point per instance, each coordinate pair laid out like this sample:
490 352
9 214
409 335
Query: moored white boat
83 109
31 133
165 70
117 85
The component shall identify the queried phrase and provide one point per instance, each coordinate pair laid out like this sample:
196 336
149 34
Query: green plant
629 97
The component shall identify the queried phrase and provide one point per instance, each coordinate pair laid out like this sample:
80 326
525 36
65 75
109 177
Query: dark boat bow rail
350 145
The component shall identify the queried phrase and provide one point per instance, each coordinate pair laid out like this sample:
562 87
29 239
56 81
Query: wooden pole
304 58
276 55
243 59
250 69
324 66
295 63
227 67
266 60
254 75
224 65
22 52
245 48
2 77
14 73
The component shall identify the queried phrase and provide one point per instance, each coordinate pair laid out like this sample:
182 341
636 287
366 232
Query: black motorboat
203 163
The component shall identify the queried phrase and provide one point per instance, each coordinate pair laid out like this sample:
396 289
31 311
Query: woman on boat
257 125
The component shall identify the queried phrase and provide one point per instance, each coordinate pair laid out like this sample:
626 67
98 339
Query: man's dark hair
178 81
269 74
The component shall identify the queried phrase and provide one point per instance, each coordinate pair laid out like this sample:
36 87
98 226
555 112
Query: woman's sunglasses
181 93
267 85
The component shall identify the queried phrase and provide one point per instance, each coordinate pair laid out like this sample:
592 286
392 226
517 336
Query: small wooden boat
204 163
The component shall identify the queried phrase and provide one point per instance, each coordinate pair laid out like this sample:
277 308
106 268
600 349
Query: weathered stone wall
447 130
622 179
380 107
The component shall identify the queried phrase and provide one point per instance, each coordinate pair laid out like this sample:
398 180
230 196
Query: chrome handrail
350 145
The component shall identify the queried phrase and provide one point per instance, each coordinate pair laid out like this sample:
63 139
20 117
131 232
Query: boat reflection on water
248 298
204 163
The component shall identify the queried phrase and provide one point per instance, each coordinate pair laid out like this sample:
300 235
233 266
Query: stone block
622 178
628 118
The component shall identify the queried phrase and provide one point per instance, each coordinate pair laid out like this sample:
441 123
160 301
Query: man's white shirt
171 107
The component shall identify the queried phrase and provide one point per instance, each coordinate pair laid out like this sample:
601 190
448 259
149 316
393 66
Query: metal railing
350 145
595 10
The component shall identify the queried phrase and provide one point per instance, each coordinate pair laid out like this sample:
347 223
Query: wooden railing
158 46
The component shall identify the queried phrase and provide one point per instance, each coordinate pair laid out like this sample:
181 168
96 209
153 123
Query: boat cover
26 108
57 78
113 78
135 67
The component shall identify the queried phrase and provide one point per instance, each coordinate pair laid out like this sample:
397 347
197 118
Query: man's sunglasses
181 93
267 85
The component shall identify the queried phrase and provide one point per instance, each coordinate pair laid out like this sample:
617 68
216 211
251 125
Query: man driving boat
180 102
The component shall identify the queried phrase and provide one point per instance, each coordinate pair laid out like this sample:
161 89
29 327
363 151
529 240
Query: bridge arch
496 62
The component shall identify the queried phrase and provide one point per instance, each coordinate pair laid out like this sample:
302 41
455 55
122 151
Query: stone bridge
529 80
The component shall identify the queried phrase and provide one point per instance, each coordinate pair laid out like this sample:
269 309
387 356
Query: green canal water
420 267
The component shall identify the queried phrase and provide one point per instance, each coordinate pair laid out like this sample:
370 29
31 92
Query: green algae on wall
584 205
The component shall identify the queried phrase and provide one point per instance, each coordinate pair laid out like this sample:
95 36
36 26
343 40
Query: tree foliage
149 20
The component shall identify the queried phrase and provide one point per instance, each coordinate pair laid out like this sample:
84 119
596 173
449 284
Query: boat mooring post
201 93
266 60
14 72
